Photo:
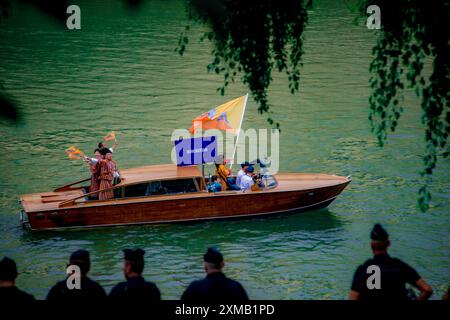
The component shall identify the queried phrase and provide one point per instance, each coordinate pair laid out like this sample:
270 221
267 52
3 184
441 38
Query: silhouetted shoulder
90 290
215 287
358 283
193 291
238 289
14 294
56 291
117 290
409 273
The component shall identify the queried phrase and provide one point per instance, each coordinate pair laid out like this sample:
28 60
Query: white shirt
246 182
240 174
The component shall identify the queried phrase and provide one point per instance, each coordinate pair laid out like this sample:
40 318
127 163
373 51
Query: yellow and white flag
227 117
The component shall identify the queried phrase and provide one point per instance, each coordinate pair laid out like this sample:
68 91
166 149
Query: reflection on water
121 73
174 251
275 227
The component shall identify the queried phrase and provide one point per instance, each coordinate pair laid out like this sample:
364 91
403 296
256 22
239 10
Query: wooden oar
70 184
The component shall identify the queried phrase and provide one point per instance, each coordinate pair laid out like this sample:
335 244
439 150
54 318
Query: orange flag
74 153
110 136
226 117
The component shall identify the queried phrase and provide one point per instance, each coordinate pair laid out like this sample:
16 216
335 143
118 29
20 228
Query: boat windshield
267 181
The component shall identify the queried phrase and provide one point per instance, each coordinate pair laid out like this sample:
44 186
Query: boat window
135 190
179 186
156 188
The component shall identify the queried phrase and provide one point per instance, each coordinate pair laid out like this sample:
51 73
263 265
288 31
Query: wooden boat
167 193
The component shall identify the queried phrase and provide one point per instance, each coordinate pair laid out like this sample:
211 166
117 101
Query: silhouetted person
216 286
89 289
135 288
394 274
8 289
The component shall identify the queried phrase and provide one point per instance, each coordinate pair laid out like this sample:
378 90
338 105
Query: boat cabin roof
158 172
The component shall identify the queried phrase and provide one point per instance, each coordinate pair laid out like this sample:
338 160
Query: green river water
120 72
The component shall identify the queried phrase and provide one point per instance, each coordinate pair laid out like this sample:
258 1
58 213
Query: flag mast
239 131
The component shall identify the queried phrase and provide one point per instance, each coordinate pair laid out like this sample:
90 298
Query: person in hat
103 148
135 287
247 180
216 286
94 167
242 172
108 174
384 277
8 289
88 289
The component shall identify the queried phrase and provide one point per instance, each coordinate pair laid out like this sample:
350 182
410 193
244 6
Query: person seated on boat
215 287
108 172
224 174
135 287
247 179
102 146
258 184
88 290
94 167
263 169
8 288
244 166
214 185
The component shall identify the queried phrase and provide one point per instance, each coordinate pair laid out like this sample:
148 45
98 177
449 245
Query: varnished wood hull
205 206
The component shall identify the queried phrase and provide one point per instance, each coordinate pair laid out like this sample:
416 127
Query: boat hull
206 206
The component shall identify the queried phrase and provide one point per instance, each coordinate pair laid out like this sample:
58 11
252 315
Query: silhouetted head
101 145
81 258
133 262
213 261
8 270
214 178
379 239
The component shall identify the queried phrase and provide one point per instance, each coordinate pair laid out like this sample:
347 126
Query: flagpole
239 131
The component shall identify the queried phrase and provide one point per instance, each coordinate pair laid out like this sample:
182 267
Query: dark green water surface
120 72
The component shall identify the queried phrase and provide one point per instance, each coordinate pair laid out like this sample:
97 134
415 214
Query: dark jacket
394 275
215 287
135 288
14 294
90 290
